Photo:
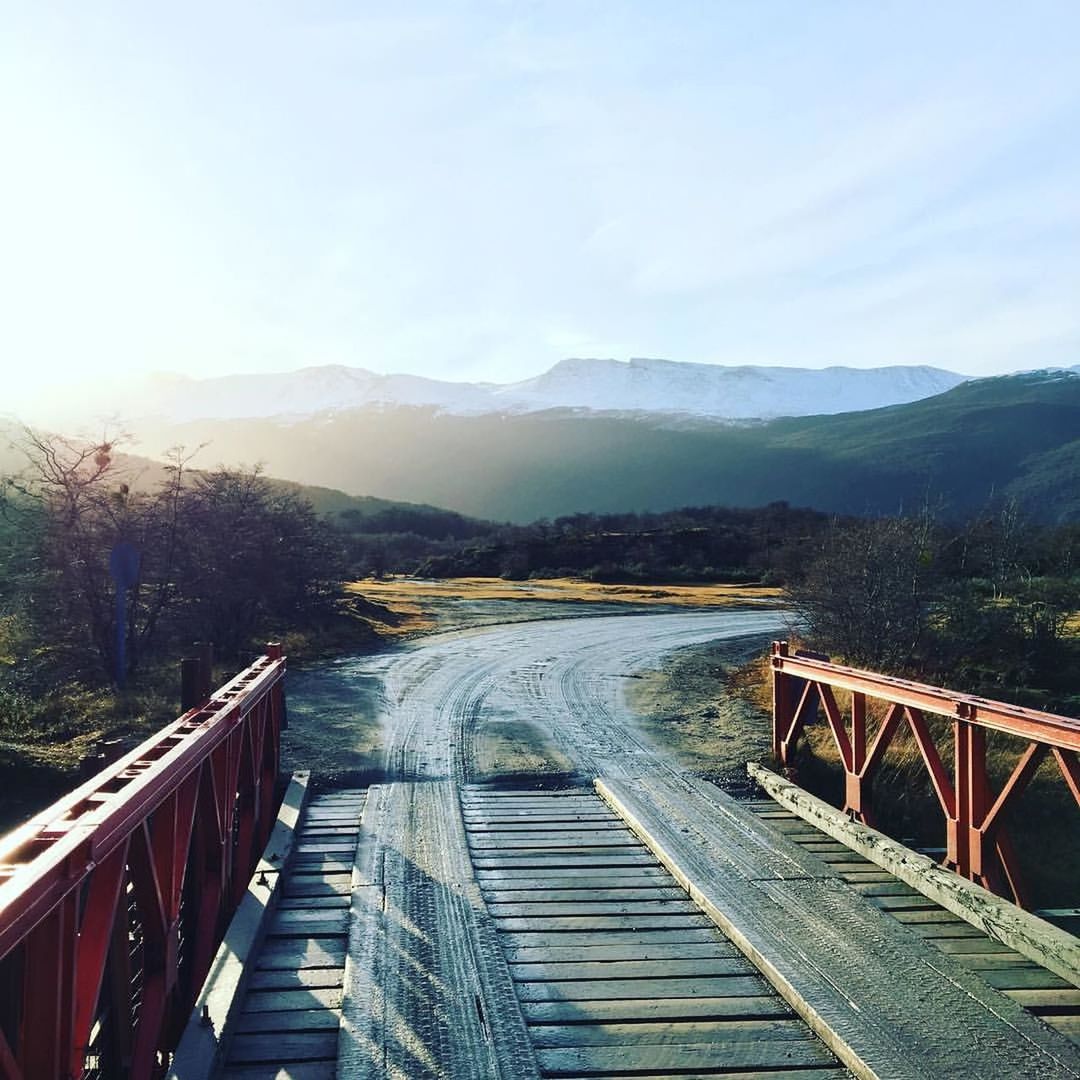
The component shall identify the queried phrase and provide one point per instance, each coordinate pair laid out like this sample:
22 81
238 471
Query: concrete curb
200 1050
1048 945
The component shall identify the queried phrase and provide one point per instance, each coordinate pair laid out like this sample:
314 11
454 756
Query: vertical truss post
45 1037
855 781
784 703
956 817
973 802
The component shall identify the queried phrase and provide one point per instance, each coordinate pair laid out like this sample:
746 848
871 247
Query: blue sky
475 191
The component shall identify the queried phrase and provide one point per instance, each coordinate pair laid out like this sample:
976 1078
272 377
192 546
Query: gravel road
445 1004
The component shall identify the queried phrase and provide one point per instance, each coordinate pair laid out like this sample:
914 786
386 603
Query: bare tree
89 507
864 594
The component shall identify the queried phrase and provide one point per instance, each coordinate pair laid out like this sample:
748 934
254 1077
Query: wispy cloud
478 191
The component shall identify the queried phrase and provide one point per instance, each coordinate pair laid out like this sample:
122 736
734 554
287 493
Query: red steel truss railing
977 844
114 900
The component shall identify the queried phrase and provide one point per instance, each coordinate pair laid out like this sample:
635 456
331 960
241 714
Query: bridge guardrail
977 843
114 899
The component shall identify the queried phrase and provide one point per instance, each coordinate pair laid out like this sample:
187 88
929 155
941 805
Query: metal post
783 706
204 650
854 795
190 679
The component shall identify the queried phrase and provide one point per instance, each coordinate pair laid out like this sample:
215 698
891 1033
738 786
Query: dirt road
428 987
431 996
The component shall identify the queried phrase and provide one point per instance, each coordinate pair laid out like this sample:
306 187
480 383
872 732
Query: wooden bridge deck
613 955
616 969
1040 991
289 1020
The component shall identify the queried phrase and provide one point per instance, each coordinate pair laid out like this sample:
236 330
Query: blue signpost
124 563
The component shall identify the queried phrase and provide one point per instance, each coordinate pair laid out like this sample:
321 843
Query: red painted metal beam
1048 728
977 844
136 830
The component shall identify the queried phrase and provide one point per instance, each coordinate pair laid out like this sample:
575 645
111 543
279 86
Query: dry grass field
398 607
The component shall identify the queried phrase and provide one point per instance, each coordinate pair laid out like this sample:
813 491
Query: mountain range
635 386
1014 437
963 449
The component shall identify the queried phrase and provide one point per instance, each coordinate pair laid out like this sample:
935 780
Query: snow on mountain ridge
707 391
732 393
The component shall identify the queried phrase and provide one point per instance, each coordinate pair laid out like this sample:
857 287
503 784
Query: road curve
430 995
428 990
567 674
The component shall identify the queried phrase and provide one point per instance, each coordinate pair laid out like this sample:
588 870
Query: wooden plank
689 1057
1067 1025
309 922
659 968
302 953
584 896
978 944
565 923
300 882
561 861
901 903
1024 978
250 1023
622 1010
1043 1000
601 819
546 909
846 864
929 917
690 950
626 989
608 840
622 876
742 1074
308 999
529 806
889 888
311 903
674 1032
527 826
544 938
306 1070
283 1046
318 863
306 979
984 962
941 931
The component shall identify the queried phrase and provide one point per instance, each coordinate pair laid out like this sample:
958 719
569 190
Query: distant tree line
986 605
223 556
695 544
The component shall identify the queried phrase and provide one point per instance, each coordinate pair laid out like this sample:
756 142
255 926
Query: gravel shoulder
687 706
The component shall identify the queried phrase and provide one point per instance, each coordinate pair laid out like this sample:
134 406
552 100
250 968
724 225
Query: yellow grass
409 591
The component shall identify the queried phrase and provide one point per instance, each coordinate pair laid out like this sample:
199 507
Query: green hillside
1011 436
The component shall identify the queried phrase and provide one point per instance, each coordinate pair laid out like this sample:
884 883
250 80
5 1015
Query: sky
477 190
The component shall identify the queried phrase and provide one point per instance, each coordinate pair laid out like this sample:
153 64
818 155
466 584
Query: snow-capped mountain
654 386
726 393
